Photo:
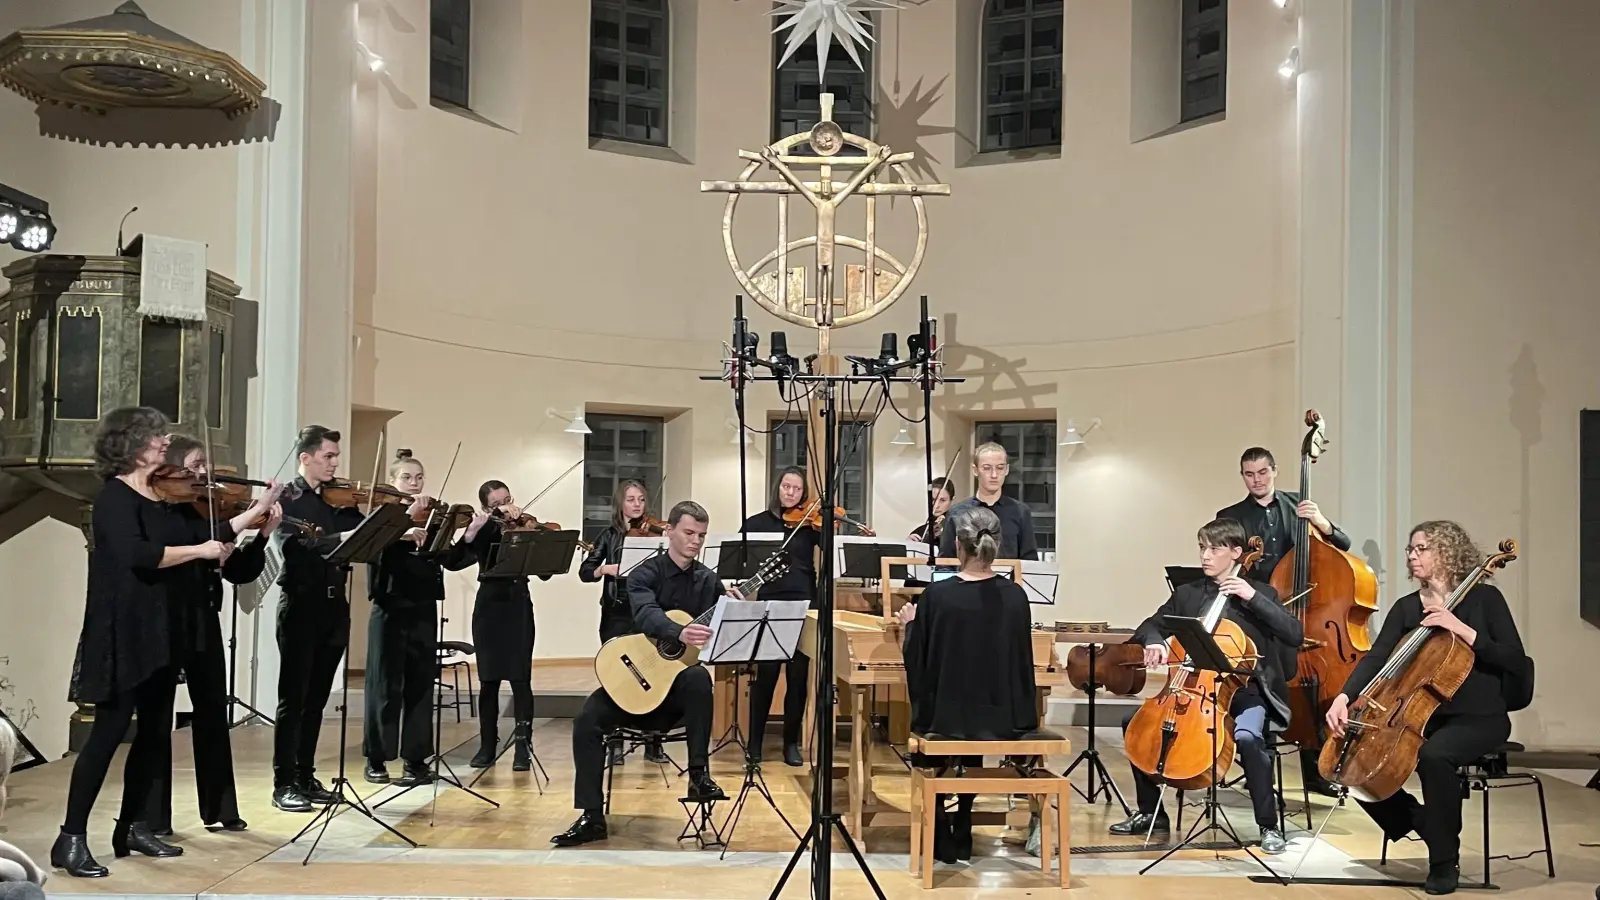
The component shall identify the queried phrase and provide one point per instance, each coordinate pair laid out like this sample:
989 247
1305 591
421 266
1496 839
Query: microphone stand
739 375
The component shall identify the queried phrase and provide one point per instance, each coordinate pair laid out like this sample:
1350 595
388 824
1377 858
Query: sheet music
785 620
636 550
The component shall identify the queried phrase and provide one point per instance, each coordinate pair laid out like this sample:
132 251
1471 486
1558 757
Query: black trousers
796 672
150 756
1251 748
616 620
402 650
689 701
206 675
313 632
1450 743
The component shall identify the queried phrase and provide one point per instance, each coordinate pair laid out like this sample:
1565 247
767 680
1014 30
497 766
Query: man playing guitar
675 580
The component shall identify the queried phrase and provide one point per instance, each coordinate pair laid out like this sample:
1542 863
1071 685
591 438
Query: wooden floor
470 849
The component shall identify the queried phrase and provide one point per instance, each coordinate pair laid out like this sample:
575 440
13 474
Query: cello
1378 751
1333 594
1170 737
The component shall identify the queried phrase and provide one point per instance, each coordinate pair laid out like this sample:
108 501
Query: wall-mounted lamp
1290 67
1072 437
373 61
576 424
903 438
738 433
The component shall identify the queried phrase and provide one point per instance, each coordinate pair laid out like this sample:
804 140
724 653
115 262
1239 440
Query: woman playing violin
402 645
128 653
789 499
197 630
1473 722
943 491
502 630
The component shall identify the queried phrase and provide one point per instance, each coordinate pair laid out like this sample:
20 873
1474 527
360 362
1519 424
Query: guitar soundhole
670 649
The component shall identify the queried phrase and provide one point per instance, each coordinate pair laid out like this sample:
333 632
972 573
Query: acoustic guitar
637 670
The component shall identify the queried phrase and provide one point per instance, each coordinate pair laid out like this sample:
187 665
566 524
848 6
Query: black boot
591 826
961 827
792 756
702 789
655 752
523 742
488 743
70 854
135 837
1443 878
943 838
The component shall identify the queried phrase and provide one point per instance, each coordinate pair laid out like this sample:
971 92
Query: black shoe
415 773
752 758
70 854
961 829
136 837
1316 784
376 772
1442 878
791 755
233 824
289 799
1138 824
589 827
313 790
484 758
522 750
654 752
702 789
1272 842
162 830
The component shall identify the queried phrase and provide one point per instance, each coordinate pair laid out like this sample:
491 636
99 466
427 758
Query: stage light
903 438
8 223
1072 438
576 423
35 234
1290 67
25 221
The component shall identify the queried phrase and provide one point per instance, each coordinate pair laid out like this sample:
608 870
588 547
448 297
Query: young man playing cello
1262 704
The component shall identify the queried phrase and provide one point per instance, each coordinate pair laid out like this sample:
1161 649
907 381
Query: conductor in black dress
198 628
1475 721
799 583
969 661
402 641
313 622
502 633
127 660
673 580
1272 515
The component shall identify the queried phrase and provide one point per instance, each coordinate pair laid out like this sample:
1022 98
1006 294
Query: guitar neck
746 588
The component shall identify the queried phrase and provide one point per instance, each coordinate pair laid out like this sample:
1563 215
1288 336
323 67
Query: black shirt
402 578
658 584
1277 525
1262 618
800 582
1497 648
969 661
1016 528
305 572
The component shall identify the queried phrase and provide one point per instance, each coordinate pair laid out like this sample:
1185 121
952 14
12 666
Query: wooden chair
1030 778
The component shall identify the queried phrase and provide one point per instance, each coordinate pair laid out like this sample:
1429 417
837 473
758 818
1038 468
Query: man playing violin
1475 721
198 629
1262 704
990 465
1270 514
673 580
313 622
799 583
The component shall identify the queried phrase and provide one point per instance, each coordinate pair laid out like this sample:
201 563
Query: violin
219 497
811 517
1184 735
521 521
646 526
352 494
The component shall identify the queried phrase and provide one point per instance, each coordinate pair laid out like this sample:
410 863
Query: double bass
1333 594
1378 751
1170 737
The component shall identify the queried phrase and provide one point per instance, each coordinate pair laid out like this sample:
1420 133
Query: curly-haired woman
1439 556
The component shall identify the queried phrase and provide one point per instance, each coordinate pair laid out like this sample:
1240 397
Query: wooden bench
1029 778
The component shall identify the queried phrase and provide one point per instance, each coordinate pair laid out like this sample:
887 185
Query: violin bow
451 469
377 463
205 440
551 486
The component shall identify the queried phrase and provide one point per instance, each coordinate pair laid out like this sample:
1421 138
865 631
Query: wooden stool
1031 780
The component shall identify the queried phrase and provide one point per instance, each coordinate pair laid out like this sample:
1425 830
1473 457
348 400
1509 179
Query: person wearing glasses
990 465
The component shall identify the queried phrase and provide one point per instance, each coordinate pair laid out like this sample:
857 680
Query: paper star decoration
844 20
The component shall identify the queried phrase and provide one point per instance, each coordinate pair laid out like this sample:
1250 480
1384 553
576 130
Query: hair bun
402 454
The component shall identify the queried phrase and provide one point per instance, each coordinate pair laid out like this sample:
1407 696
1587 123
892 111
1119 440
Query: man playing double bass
1270 514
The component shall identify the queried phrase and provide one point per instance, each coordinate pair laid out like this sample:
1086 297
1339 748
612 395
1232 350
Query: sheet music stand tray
739 560
865 560
381 529
744 636
1204 655
539 554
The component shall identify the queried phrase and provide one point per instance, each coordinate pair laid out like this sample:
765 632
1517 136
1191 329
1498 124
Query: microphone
119 228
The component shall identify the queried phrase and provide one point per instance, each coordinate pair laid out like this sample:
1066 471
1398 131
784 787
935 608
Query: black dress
502 616
799 583
969 661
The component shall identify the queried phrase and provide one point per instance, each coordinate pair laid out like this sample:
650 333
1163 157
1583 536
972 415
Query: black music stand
234 700
381 528
866 560
745 637
530 554
738 559
1090 754
1204 655
1178 576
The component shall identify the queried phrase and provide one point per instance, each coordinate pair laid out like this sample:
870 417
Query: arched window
628 70
1021 74
796 91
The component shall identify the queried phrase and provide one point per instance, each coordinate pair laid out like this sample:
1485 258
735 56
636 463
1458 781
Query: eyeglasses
1417 549
994 470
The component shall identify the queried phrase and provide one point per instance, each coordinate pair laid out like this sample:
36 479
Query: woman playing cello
1473 722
